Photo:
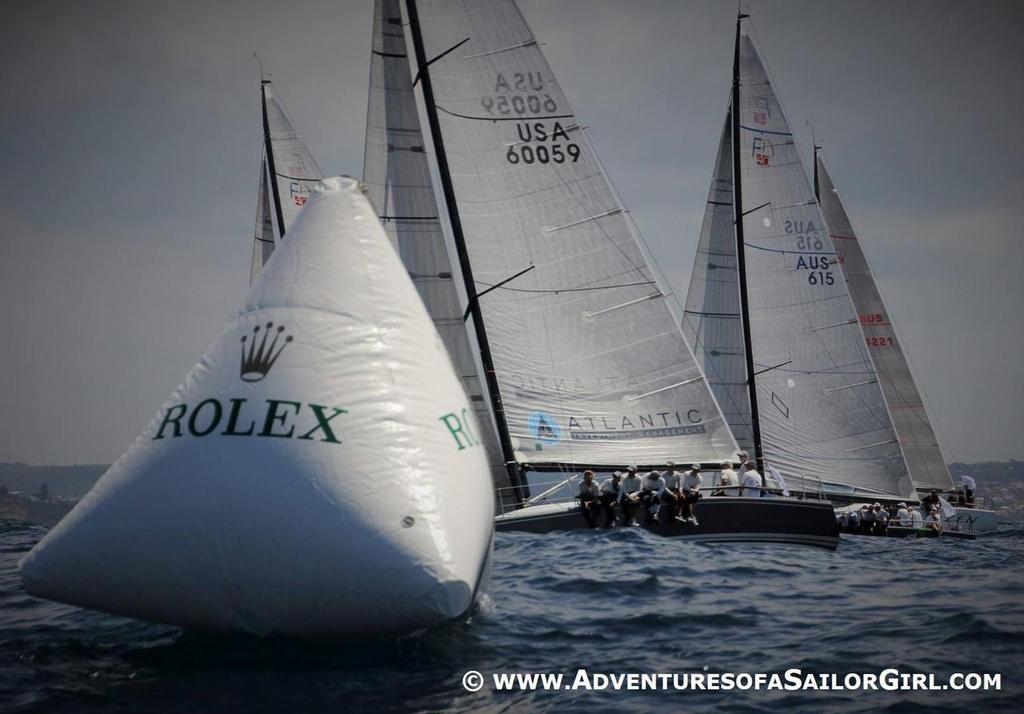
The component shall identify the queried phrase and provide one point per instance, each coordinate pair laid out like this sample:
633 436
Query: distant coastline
43 494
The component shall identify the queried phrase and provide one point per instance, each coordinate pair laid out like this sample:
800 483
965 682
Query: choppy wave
622 601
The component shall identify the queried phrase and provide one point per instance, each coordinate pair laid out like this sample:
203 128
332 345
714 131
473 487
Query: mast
269 149
737 181
508 452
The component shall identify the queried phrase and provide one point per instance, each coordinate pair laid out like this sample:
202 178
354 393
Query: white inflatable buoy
318 473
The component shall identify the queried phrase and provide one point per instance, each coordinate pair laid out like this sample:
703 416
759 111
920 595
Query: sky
130 145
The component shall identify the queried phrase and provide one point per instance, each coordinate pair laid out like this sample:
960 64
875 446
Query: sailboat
917 438
582 363
771 318
288 174
314 475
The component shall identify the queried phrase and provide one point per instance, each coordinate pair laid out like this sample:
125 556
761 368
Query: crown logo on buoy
258 359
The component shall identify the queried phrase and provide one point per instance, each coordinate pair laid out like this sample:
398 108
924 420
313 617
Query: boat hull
721 519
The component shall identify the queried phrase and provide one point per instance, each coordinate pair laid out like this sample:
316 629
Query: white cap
696 466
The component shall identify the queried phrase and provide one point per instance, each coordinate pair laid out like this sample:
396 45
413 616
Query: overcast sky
130 144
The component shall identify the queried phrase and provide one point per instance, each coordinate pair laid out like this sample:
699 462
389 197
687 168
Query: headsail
589 361
396 174
289 175
711 320
920 447
821 410
263 239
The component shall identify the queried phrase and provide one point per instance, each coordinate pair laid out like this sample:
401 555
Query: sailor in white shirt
903 516
881 519
672 494
631 486
934 520
610 494
588 498
750 481
692 481
650 495
916 519
726 479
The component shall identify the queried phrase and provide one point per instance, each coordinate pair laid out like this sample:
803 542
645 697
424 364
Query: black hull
721 519
903 532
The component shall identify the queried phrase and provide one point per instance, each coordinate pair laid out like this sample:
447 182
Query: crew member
934 520
916 519
672 495
610 494
588 498
881 519
727 482
631 486
903 516
650 495
750 482
690 492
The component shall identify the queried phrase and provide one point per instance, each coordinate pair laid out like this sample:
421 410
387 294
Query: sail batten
913 427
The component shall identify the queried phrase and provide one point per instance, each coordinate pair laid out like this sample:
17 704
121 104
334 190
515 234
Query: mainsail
913 427
820 412
588 362
288 174
396 174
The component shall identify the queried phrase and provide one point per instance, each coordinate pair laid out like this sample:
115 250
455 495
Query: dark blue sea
611 602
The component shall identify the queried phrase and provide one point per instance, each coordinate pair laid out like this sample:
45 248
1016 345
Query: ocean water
611 602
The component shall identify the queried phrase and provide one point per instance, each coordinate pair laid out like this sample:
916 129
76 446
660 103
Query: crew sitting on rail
727 482
867 520
881 520
673 493
690 493
650 495
631 486
610 494
934 520
588 498
751 482
853 521
903 518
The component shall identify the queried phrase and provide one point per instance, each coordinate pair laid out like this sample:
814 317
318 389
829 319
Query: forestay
711 320
396 173
591 365
316 473
295 174
821 409
920 447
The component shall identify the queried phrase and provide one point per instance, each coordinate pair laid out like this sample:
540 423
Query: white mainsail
317 473
821 411
289 174
589 361
913 427
396 173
